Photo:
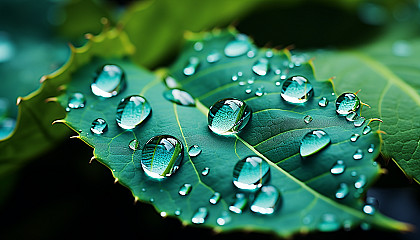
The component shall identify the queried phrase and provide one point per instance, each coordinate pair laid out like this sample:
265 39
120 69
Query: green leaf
307 187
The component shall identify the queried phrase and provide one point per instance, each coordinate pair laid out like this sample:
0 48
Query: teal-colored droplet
99 126
342 191
370 206
239 204
205 171
358 154
171 82
162 156
371 148
76 100
261 67
214 56
134 144
224 219
7 47
260 91
191 66
251 173
323 102
360 182
109 81
367 130
338 167
200 216
266 200
198 46
297 89
215 198
194 151
185 189
179 97
359 121
131 111
313 142
307 119
228 116
354 137
178 212
238 46
248 89
352 116
329 223
7 126
347 103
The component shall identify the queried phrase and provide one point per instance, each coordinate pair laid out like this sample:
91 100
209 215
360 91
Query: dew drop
238 46
179 97
99 126
251 173
328 223
200 216
109 81
358 154
215 198
192 66
313 142
371 148
240 203
248 90
297 89
134 144
228 116
261 67
347 103
338 167
213 57
323 102
360 182
359 121
370 206
266 200
178 212
7 126
185 189
260 91
205 171
224 219
131 111
367 130
162 156
342 191
307 119
170 82
76 100
354 137
250 54
194 151
198 46
352 116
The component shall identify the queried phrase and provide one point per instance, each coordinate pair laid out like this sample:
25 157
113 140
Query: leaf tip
58 121
51 99
72 137
91 159
115 180
43 79
19 101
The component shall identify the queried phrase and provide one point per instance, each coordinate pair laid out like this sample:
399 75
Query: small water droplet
179 97
359 121
7 126
352 116
401 48
367 130
313 142
200 216
307 119
250 54
194 151
109 81
192 66
224 219
215 198
240 203
297 89
269 53
261 67
99 126
76 100
260 91
371 148
162 156
266 200
134 144
370 206
178 212
198 46
213 57
328 223
347 103
131 111
358 154
360 182
354 137
251 173
163 214
248 90
205 171
342 191
338 167
323 102
185 189
7 48
228 116
238 46
170 82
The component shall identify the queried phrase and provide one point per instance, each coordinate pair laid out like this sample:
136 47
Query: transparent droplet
338 167
347 103
260 91
342 191
261 67
194 151
313 142
109 81
328 223
200 216
354 137
215 198
370 206
131 111
352 116
179 97
297 89
7 126
170 82
401 48
360 182
214 56
371 148
76 100
99 126
359 121
134 144
240 203
228 116
250 54
162 156
358 154
185 189
192 66
237 47
266 200
198 46
251 173
178 212
307 119
367 130
248 89
205 171
224 219
323 102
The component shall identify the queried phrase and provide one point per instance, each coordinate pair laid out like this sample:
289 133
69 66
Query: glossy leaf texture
311 197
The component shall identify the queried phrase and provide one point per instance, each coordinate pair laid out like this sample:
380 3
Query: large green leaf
307 187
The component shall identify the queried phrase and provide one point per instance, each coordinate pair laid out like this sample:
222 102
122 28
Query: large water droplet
342 191
194 151
261 67
338 167
360 182
162 156
134 144
185 189
224 219
179 97
240 203
328 223
191 66
251 173
99 126
109 81
132 111
200 215
76 100
354 137
266 201
313 142
347 103
358 154
215 198
237 47
214 56
297 89
228 116
323 102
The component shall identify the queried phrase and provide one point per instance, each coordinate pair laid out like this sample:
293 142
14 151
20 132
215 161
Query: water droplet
371 148
194 151
200 215
352 116
237 47
401 48
224 219
163 214
215 198
342 191
248 90
109 81
307 119
162 156
261 67
338 167
347 103
250 54
191 66
240 203
205 171
198 46
132 111
251 173
323 102
178 212
358 154
7 126
99 126
328 223
260 91
179 97
7 48
360 182
354 137
213 57
269 53
313 142
185 189
367 130
134 144
76 100
359 121
266 200
370 206
228 116
170 82
297 89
